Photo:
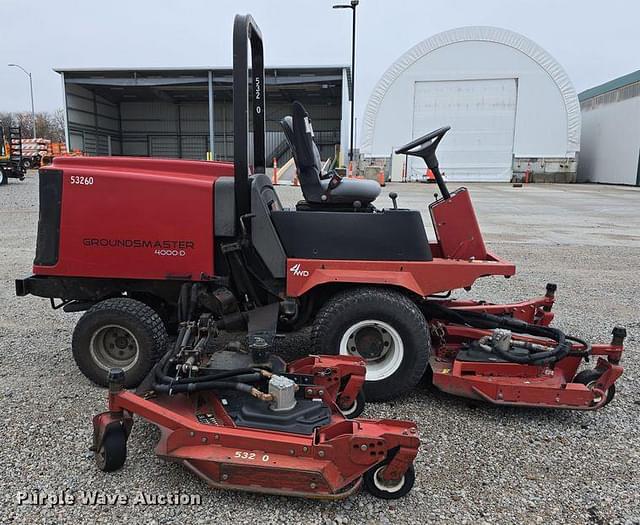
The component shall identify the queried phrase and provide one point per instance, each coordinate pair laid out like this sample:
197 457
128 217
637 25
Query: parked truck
11 160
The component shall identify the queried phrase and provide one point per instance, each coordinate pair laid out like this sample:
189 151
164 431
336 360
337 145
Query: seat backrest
299 134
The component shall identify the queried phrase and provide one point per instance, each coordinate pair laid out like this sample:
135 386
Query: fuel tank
124 217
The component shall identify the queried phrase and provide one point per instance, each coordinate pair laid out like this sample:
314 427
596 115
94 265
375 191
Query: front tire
382 326
112 454
119 333
3 178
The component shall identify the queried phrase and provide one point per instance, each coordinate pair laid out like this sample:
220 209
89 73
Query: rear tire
118 333
388 490
589 379
356 409
3 178
382 326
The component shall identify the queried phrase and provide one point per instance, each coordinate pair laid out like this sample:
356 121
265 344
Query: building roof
192 69
612 85
190 83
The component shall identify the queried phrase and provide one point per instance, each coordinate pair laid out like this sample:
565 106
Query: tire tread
337 307
147 316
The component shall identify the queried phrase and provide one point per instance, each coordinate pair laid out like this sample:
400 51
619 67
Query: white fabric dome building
511 107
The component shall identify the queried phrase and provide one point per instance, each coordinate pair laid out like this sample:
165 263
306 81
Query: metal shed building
186 113
511 107
611 132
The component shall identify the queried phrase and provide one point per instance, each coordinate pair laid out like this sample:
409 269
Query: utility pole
353 5
33 111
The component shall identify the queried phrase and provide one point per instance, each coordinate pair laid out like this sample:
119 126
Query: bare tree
57 123
49 125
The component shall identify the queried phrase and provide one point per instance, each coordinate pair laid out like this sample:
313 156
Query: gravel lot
478 464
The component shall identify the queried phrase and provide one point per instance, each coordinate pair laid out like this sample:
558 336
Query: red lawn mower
119 238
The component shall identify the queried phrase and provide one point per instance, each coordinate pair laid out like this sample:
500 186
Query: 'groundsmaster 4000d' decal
165 248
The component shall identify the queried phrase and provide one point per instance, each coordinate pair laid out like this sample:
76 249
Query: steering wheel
428 144
429 140
425 148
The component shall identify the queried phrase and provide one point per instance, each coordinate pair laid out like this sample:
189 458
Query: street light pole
33 111
353 5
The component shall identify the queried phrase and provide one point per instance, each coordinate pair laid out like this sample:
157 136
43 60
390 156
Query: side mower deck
463 370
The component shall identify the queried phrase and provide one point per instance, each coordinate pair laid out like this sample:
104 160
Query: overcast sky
593 40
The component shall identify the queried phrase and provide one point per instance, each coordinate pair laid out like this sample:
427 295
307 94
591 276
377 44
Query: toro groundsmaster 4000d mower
120 237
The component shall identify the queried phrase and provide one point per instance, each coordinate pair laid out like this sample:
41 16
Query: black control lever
425 148
393 196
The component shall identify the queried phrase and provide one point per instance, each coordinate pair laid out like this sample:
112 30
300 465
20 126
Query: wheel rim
386 486
114 346
346 412
597 398
378 344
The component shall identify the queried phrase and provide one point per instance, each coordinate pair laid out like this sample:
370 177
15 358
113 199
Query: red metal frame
327 464
549 386
459 259
421 278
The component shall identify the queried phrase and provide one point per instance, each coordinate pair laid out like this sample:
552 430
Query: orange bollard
275 172
430 176
381 178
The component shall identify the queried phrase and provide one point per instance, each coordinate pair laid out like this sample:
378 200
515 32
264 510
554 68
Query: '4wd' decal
297 270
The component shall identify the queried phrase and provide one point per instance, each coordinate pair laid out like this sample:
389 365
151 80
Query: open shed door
482 116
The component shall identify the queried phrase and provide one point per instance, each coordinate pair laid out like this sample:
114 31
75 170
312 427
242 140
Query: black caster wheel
113 452
380 488
589 378
356 408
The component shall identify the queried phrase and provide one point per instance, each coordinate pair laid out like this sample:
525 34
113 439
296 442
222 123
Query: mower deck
329 462
523 385
487 377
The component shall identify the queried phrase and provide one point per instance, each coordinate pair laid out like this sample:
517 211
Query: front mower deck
329 462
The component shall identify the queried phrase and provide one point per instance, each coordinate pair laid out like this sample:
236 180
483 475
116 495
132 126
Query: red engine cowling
120 217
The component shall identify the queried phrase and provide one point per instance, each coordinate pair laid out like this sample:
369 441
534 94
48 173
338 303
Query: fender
419 277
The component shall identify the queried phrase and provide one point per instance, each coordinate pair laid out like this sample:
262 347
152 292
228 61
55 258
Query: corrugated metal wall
93 122
166 128
611 137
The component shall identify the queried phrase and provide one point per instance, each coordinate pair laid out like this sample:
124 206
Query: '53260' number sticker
82 181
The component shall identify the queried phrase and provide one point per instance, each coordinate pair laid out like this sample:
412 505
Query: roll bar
245 30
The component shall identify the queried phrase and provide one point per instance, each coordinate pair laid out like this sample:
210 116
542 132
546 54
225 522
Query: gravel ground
478 464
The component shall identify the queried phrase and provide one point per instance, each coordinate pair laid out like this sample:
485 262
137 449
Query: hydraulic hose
198 387
489 321
250 373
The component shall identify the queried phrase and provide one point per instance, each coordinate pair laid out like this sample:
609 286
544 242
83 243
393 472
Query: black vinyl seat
317 187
